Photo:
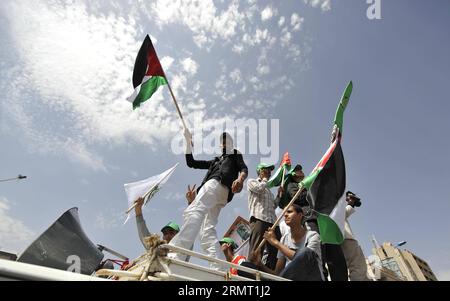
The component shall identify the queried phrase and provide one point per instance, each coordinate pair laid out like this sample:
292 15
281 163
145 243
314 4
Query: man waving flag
146 188
326 183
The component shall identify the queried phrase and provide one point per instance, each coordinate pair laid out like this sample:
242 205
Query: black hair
297 208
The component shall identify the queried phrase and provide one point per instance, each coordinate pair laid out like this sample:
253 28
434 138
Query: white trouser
356 262
201 218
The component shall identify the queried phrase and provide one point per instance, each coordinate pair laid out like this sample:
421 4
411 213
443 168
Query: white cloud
294 52
201 17
324 5
190 66
267 13
201 40
47 142
257 38
166 62
238 48
221 83
286 38
14 234
236 75
296 22
74 78
83 78
263 63
254 80
263 69
261 35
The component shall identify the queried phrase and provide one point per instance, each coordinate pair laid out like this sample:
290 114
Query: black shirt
225 169
289 191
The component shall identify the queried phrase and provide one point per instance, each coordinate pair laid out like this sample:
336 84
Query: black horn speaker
64 246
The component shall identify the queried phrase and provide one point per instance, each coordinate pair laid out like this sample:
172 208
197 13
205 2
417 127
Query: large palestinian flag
148 74
277 177
326 183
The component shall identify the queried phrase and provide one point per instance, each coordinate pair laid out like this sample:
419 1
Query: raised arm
256 186
349 210
140 222
197 164
190 161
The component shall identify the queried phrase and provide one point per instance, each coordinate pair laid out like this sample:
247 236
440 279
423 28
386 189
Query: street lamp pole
19 177
401 243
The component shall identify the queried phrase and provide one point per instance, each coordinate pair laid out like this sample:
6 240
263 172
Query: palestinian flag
326 183
148 74
339 116
276 178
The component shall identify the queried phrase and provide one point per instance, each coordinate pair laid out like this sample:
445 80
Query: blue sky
64 122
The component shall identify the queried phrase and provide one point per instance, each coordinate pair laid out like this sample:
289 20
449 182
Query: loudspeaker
64 246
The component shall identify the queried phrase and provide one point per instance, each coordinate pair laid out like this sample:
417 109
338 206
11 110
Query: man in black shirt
226 175
286 193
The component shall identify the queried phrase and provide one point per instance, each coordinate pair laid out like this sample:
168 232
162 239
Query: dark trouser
333 256
251 265
303 267
258 227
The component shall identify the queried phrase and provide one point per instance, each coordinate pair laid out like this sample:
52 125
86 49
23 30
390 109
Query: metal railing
258 274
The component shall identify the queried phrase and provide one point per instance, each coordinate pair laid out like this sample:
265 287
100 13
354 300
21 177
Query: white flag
146 188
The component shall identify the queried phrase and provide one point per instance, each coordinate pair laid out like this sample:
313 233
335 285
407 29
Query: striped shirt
261 201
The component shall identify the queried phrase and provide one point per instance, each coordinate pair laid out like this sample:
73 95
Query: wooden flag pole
281 216
334 137
145 195
176 103
134 205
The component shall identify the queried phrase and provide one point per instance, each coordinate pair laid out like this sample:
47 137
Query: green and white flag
146 188
277 177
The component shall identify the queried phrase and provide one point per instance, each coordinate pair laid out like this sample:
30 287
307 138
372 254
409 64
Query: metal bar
222 262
